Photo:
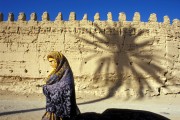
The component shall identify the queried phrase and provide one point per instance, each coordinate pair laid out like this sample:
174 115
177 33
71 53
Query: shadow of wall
121 114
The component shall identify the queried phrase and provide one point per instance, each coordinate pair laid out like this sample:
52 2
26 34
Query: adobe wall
121 58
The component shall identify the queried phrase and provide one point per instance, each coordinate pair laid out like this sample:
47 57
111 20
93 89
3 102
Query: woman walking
59 90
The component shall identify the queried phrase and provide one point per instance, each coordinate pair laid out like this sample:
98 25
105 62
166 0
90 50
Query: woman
59 90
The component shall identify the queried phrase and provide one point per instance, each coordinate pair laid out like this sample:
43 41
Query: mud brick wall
121 58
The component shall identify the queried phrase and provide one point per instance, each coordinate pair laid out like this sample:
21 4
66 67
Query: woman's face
52 62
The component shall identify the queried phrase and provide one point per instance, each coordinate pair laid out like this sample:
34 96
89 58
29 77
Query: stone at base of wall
30 86
21 85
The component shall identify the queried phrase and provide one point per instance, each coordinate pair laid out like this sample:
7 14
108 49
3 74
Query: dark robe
60 94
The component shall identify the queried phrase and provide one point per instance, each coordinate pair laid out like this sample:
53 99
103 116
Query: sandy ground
31 107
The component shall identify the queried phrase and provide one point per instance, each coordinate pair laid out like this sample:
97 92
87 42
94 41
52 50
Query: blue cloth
60 95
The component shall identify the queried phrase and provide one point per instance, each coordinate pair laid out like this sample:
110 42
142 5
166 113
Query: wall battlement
72 17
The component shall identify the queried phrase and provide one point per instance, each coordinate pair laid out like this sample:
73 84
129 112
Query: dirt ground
15 106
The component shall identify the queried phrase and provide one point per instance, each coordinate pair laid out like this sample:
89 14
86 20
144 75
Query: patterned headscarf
62 65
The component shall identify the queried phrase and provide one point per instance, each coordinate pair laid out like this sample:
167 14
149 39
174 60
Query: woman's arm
50 106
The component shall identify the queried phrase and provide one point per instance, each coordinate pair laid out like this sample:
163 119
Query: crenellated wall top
72 18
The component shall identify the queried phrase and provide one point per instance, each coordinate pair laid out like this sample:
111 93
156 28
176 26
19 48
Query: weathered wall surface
108 58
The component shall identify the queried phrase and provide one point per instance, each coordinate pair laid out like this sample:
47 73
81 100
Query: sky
91 7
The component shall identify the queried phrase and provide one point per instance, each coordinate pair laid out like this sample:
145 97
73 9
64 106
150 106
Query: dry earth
15 106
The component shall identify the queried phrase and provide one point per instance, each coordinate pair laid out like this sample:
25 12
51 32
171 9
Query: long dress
60 93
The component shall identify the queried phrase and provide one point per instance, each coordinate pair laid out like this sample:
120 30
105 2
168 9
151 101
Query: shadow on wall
121 114
139 68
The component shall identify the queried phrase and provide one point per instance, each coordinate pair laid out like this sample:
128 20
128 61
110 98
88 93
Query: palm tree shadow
133 62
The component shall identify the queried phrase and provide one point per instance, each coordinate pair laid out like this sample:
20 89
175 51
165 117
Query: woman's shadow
121 114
